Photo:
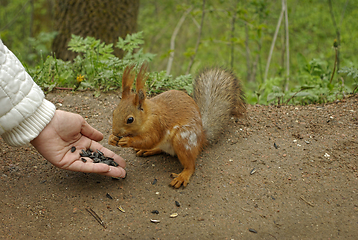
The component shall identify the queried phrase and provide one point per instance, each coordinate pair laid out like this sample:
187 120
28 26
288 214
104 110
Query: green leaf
131 42
330 86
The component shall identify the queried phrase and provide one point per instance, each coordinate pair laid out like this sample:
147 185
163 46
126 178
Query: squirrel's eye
130 120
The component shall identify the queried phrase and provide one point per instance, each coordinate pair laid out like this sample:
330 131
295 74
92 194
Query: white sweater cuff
32 126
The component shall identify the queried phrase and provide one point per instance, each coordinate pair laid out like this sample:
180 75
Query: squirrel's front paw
113 140
124 142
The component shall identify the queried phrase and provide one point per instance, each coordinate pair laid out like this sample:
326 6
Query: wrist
32 126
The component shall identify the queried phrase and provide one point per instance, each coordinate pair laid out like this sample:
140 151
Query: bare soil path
286 172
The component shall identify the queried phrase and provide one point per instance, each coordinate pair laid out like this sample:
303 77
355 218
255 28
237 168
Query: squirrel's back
219 96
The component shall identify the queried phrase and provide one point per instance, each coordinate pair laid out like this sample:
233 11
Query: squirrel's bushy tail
219 95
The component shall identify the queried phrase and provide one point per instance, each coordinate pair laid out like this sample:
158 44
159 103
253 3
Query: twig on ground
309 203
94 214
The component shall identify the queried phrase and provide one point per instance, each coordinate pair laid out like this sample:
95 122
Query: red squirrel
173 122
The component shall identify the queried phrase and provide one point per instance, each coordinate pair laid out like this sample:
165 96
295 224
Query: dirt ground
286 172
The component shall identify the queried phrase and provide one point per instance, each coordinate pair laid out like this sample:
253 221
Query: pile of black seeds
97 157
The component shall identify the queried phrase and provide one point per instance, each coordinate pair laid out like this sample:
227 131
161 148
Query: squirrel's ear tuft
142 77
139 99
127 81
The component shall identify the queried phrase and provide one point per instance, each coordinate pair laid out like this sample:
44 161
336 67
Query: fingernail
120 177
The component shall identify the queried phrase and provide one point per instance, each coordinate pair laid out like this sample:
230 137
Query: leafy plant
97 68
160 81
353 73
40 46
314 85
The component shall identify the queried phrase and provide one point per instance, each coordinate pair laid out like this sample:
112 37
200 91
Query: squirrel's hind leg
183 177
146 153
187 146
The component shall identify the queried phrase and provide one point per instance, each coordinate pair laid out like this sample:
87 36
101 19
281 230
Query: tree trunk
102 19
42 17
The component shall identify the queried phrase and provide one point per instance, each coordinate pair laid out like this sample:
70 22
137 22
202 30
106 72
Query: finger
108 153
76 164
100 168
90 132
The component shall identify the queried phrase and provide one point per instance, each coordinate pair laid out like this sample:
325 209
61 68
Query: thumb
90 132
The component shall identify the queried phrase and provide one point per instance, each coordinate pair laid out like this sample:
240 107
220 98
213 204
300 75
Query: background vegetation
234 34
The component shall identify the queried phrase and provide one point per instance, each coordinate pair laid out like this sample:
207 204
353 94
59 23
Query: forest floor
285 172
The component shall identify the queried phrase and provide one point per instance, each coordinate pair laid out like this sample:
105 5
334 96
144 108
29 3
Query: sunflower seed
98 157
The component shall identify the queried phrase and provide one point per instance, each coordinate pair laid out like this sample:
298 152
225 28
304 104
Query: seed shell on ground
154 181
252 230
109 196
121 209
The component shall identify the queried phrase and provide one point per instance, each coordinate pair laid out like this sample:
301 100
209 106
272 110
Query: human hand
67 130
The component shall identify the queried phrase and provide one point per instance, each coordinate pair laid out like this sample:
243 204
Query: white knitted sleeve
24 111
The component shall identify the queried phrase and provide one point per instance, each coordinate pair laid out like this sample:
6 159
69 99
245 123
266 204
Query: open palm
67 130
